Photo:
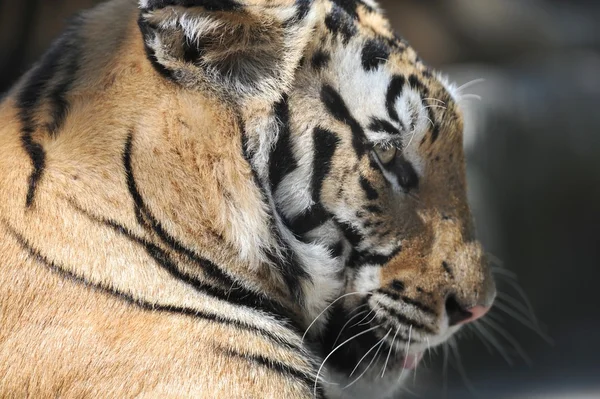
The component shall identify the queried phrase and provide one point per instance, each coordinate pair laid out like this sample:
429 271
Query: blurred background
533 144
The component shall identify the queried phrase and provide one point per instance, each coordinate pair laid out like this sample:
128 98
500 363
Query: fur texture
187 187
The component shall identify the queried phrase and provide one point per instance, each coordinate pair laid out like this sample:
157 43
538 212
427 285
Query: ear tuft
242 48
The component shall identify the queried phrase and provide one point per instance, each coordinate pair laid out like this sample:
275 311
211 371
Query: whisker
428 349
494 259
370 321
348 322
361 320
390 352
461 369
445 371
469 84
494 342
375 356
469 97
435 99
518 306
515 286
481 337
502 331
517 316
406 352
334 350
324 310
502 272
435 106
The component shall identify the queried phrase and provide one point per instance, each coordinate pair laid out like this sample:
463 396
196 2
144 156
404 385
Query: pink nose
477 312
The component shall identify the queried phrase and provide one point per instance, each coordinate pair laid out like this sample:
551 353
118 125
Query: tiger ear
241 48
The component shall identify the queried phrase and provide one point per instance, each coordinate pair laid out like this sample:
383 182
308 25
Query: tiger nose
457 315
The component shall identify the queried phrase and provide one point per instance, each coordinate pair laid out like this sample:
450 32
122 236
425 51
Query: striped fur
186 186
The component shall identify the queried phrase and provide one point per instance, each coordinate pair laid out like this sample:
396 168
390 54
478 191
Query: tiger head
357 146
380 177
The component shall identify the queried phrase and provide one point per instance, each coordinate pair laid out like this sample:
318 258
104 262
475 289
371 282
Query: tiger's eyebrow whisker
434 99
469 84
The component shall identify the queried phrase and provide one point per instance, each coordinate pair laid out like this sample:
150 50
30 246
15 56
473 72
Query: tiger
231 199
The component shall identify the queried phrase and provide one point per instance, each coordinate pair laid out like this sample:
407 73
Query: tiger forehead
359 28
345 20
378 77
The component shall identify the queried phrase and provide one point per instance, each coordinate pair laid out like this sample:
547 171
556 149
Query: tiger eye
387 154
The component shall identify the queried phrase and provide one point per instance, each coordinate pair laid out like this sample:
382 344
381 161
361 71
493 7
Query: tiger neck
311 267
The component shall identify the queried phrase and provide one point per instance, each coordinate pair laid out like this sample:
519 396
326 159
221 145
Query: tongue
412 360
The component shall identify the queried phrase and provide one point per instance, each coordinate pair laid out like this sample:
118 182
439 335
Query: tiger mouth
411 361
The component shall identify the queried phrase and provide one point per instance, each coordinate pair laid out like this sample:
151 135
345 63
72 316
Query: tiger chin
234 198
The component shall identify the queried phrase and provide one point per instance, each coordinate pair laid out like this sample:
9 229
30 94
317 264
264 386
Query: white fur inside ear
414 116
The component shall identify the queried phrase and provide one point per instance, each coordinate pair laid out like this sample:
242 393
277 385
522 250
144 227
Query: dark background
533 144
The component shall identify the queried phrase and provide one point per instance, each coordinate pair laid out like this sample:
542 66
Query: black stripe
382 126
415 83
279 368
27 103
337 250
353 236
419 305
405 320
70 50
148 34
394 91
320 59
374 54
193 51
233 292
60 105
282 160
366 185
373 209
35 90
448 269
142 210
152 307
242 296
210 5
38 158
435 130
337 108
405 173
310 219
349 6
287 261
369 258
339 22
290 266
325 144
302 9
